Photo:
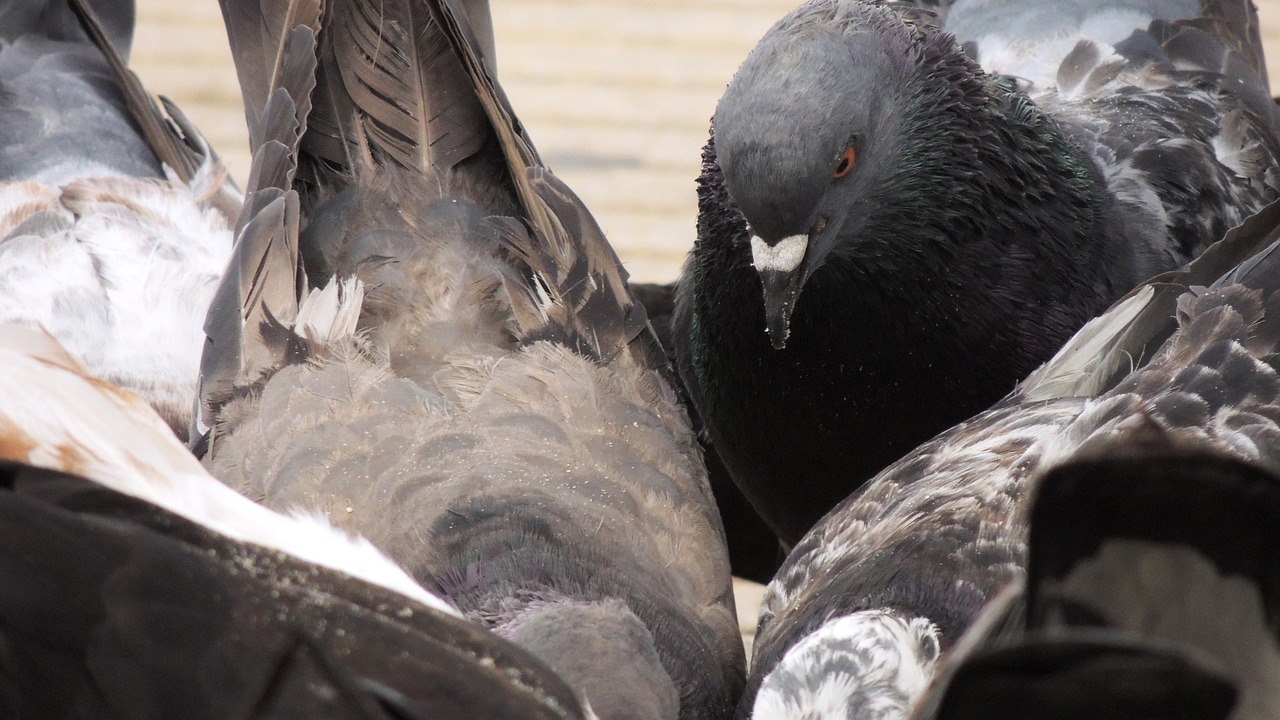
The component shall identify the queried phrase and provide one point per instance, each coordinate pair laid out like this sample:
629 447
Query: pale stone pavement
616 95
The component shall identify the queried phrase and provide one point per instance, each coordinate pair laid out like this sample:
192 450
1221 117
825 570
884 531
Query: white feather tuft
331 315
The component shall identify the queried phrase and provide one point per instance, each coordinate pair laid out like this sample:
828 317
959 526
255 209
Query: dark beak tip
778 335
780 293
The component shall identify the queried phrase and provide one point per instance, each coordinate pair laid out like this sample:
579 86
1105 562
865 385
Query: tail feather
416 107
263 283
390 93
269 55
407 90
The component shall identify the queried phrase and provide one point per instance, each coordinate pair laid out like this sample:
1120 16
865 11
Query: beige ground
616 94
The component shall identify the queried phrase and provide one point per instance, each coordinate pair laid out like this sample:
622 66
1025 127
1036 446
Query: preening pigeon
424 336
901 217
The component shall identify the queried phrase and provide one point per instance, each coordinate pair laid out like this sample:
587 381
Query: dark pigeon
115 217
135 585
1150 592
425 337
887 582
897 224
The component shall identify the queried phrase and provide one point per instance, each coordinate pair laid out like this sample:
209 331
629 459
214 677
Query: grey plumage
134 584
937 534
426 337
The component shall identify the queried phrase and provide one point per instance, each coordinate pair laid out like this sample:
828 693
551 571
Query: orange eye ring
845 165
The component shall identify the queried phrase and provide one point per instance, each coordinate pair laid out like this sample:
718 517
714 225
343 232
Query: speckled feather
936 534
497 417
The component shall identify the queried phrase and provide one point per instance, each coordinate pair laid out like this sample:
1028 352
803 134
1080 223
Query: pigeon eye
845 164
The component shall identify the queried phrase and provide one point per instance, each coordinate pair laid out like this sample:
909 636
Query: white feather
121 271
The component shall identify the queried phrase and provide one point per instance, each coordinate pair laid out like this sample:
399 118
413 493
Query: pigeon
901 217
134 584
115 218
889 580
1149 593
424 336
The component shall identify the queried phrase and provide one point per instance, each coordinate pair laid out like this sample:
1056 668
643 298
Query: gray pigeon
1149 593
889 580
135 585
424 336
899 222
115 220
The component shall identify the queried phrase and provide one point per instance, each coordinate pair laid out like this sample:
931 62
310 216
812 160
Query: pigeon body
445 358
891 235
929 541
112 239
137 585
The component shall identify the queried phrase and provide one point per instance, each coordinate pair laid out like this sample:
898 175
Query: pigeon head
805 132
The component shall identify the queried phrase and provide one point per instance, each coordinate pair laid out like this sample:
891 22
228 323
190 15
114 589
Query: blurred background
616 94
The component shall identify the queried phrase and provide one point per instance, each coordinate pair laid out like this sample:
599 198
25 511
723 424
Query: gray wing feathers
579 294
591 306
158 133
263 282
267 53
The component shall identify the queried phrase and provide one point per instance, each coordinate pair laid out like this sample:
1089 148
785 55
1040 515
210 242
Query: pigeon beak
780 271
